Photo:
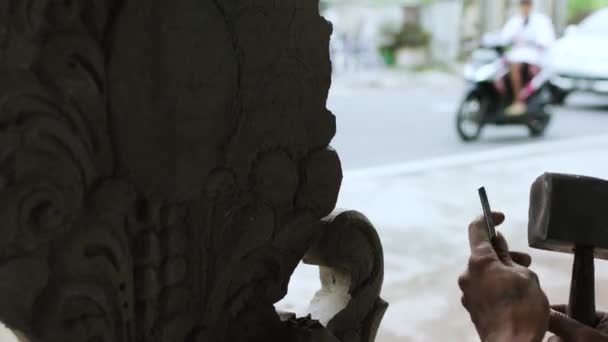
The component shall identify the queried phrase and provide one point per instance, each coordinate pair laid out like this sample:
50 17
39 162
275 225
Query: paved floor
421 211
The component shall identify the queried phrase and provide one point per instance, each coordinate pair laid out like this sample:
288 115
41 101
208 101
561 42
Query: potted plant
388 32
410 46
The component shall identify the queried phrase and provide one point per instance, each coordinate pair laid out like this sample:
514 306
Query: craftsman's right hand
568 330
500 293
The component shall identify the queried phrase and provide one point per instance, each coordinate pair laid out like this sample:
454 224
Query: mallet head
568 211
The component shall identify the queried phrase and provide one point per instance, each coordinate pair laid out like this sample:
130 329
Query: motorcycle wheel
538 126
469 118
558 96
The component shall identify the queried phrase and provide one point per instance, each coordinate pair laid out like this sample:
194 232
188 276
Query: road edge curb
472 158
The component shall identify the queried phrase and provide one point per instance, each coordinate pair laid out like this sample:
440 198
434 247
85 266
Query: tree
579 9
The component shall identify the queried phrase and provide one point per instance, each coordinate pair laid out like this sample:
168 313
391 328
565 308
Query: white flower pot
411 57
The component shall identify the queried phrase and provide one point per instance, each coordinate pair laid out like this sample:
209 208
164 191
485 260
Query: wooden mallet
566 215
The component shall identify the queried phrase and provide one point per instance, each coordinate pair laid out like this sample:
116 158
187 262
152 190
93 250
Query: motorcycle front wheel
469 119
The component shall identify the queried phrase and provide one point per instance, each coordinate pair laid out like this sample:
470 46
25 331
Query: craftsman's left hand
568 330
502 295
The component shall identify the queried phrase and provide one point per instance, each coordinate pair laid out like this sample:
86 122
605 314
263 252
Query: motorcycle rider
529 34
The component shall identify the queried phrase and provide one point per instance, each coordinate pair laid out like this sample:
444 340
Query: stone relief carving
349 254
165 165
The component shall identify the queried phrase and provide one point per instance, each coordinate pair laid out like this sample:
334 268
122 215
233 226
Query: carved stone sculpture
164 166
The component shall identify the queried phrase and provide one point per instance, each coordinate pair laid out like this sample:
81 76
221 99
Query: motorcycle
489 93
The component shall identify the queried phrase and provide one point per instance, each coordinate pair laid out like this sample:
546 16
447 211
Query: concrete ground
421 211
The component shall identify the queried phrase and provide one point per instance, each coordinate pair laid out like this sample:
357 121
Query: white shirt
529 42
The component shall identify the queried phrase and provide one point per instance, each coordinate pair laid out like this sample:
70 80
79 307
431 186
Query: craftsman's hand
502 295
568 330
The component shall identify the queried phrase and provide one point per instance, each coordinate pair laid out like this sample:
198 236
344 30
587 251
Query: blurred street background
397 86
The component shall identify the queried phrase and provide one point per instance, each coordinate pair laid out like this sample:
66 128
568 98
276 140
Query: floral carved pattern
164 167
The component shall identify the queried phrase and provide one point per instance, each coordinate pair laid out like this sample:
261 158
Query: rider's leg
518 106
516 81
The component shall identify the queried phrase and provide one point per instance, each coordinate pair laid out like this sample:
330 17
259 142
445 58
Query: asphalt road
383 125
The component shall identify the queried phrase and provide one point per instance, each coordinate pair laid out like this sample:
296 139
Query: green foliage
388 56
410 35
579 9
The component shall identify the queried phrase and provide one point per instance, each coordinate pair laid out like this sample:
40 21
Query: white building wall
453 28
442 19
493 14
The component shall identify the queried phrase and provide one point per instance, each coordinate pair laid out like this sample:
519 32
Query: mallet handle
582 288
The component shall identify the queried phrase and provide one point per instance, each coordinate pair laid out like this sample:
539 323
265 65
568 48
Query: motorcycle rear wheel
558 96
538 126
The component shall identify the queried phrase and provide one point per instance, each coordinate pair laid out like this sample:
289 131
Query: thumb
564 326
502 249
569 329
